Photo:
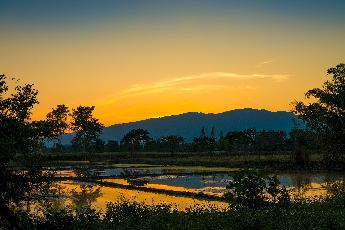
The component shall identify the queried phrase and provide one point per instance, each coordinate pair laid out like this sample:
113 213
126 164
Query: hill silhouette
188 125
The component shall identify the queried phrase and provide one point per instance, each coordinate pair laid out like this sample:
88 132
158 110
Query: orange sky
144 63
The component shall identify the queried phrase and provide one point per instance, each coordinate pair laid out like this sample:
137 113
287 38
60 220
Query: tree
301 141
221 141
99 145
201 142
240 140
270 140
172 142
325 114
135 139
212 141
87 128
112 146
56 120
20 141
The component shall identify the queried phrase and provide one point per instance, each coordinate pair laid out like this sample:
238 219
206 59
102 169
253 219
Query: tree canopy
172 142
87 128
135 138
325 114
21 140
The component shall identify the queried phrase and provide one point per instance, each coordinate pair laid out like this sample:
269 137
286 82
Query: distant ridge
188 125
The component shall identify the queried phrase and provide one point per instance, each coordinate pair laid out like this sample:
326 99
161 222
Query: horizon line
171 115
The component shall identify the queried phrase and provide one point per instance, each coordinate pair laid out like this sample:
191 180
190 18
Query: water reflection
183 179
192 177
109 194
84 195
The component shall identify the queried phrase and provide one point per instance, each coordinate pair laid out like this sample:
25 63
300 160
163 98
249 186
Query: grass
320 214
264 160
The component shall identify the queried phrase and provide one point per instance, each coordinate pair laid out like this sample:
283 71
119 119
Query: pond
188 179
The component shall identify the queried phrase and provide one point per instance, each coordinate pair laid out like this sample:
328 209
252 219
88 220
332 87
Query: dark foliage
250 188
136 139
325 115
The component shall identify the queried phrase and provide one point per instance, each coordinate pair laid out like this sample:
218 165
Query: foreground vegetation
257 201
328 213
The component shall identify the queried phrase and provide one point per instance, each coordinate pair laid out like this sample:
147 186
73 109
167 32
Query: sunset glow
140 59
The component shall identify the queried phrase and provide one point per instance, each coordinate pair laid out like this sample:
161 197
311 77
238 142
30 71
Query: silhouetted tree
240 140
221 141
135 139
326 113
58 148
87 128
99 146
172 142
57 121
20 141
270 140
302 140
212 141
112 146
201 142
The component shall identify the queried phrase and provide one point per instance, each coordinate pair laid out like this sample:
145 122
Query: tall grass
328 213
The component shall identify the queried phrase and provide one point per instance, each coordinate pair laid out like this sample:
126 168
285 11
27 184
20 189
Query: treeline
248 140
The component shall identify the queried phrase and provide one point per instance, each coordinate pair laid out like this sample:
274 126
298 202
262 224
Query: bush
319 214
250 188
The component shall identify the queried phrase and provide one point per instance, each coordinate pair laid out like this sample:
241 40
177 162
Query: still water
207 180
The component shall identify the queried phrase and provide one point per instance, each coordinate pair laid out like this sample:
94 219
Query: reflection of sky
221 180
204 180
193 181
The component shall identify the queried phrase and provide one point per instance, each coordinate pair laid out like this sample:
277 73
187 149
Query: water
207 180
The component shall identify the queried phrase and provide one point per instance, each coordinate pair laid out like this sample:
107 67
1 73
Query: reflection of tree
334 184
57 202
335 188
301 184
36 193
85 197
134 177
86 173
330 178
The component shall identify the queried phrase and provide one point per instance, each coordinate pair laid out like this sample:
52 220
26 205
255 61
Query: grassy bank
263 160
321 214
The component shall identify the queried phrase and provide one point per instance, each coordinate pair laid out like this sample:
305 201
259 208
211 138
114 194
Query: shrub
250 188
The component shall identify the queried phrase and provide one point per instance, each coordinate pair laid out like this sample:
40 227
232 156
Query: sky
141 59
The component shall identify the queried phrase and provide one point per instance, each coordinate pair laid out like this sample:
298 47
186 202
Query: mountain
188 125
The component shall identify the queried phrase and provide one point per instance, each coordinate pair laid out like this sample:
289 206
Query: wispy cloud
164 85
215 87
184 83
264 63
